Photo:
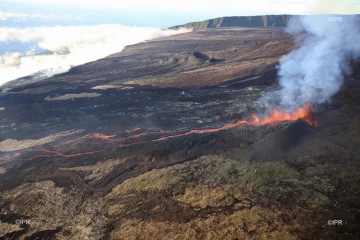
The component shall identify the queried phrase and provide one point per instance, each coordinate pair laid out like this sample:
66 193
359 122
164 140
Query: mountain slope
247 21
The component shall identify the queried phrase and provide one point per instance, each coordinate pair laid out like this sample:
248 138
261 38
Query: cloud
226 7
69 46
16 16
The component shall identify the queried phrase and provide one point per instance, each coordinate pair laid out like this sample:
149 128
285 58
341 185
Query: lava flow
92 136
279 116
274 117
100 140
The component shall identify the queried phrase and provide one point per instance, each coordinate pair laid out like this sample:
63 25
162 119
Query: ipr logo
335 222
22 221
335 19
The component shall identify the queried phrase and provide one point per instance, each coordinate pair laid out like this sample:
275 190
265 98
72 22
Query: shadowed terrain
244 21
145 144
248 21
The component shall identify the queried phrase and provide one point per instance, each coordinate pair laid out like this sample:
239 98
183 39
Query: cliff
246 21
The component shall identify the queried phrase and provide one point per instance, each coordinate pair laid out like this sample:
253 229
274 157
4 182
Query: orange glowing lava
278 116
274 117
100 140
92 136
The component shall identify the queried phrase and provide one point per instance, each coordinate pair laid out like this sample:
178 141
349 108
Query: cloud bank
69 46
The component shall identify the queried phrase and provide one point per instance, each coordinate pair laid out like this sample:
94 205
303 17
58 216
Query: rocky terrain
147 144
243 21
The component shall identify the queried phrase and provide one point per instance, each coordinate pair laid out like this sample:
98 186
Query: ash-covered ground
107 150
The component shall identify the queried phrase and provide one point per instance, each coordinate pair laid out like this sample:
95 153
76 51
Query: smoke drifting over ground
315 71
68 46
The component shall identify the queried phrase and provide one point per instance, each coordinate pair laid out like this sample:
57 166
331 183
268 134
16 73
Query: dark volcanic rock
250 21
279 140
107 151
202 56
244 21
243 56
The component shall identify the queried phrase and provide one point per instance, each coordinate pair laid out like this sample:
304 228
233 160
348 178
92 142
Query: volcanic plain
144 144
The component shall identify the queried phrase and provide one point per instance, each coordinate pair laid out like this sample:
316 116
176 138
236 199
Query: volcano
165 139
274 117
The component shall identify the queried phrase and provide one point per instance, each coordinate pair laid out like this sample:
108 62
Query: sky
51 36
156 13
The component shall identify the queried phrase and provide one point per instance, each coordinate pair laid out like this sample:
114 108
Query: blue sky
157 13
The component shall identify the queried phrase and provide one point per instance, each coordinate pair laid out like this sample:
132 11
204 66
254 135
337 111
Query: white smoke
69 46
315 71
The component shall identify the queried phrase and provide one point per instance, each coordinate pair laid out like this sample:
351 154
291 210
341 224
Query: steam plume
315 71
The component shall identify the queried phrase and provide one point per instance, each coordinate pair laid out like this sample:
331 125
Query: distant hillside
248 21
254 21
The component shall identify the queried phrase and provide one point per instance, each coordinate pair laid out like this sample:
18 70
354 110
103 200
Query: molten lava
274 117
278 116
97 141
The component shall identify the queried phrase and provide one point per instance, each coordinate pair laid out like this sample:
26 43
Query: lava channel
274 116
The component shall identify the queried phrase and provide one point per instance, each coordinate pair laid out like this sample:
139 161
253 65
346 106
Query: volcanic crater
159 140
